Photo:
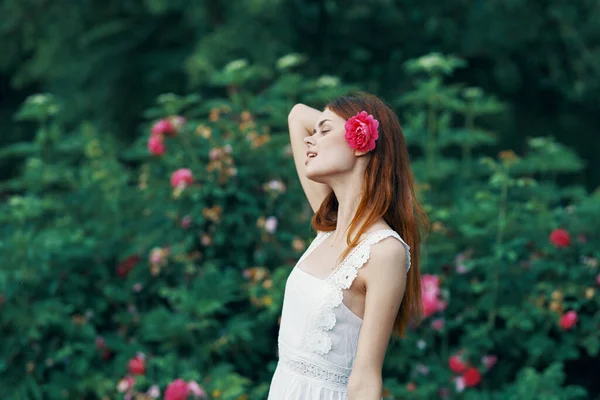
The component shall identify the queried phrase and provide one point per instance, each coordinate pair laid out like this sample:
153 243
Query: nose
309 141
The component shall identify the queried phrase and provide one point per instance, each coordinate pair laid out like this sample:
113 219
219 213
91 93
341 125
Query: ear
360 153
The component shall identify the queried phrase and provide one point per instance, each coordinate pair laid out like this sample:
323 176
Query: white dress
319 334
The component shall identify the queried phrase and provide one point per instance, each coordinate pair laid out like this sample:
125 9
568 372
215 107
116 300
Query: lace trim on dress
317 340
313 368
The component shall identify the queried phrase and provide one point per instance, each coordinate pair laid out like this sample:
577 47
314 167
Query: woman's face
334 156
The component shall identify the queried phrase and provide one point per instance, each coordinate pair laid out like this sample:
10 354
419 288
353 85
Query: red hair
388 193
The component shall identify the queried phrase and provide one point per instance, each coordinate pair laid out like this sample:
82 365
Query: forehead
330 115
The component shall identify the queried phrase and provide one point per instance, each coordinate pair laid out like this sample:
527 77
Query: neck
348 200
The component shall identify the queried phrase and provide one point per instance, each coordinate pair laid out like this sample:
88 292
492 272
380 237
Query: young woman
358 282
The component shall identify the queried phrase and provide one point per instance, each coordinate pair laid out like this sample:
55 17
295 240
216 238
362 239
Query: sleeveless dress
318 334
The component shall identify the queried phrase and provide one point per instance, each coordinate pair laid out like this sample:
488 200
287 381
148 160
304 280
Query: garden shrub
162 264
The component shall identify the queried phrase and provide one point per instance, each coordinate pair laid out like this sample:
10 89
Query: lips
308 156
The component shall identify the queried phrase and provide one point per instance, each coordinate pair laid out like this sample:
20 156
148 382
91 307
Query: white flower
154 391
460 383
271 225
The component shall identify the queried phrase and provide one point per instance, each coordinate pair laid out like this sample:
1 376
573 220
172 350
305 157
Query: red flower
156 145
127 265
177 390
107 354
137 366
456 364
182 176
361 131
411 387
471 377
163 127
568 320
560 238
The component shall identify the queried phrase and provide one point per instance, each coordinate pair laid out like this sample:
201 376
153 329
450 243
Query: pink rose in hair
361 131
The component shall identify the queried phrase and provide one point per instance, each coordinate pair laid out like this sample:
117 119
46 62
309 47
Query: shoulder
387 261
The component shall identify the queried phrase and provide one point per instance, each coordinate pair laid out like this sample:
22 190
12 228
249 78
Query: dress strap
343 277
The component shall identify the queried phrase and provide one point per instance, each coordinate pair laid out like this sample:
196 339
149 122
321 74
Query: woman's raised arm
301 121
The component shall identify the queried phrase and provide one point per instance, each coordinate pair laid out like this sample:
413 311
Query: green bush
104 261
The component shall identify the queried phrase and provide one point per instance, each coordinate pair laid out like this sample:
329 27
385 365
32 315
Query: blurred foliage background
113 271
109 59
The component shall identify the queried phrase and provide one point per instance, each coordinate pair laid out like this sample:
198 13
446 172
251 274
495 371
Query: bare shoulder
386 263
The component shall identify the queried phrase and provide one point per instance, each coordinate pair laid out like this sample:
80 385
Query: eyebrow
320 124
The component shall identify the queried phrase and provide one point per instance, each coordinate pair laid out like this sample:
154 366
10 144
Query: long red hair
388 193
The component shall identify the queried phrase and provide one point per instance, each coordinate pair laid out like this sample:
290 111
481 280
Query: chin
315 176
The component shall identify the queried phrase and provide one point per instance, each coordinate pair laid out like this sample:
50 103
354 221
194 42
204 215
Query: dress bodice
318 335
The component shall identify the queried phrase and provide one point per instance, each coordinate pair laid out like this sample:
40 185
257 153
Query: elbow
295 111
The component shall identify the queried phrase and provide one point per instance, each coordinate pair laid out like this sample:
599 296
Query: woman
349 292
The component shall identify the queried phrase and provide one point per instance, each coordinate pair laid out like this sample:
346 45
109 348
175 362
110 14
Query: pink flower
437 324
185 222
177 390
489 361
361 131
598 280
461 268
271 225
182 176
457 364
125 384
568 320
100 343
156 145
158 256
560 238
163 127
196 389
215 153
430 295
